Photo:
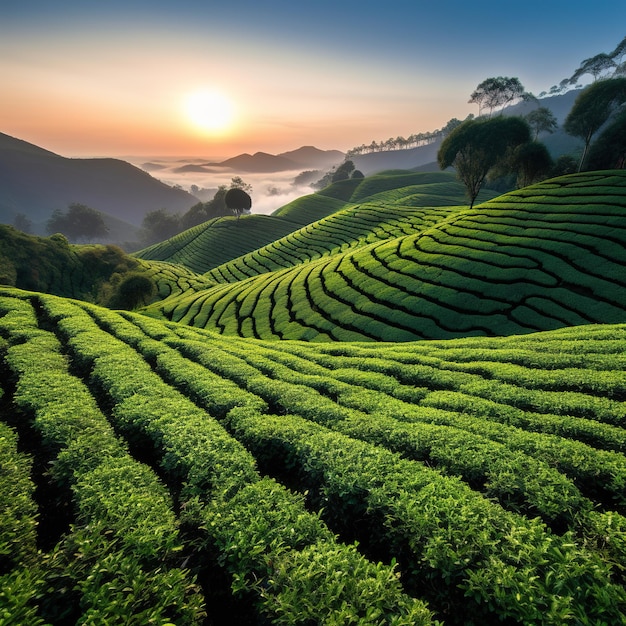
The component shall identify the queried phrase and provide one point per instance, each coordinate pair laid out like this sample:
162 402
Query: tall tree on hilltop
476 146
238 201
497 93
595 66
592 108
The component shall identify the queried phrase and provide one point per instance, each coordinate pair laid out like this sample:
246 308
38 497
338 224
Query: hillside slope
182 474
35 182
212 246
546 256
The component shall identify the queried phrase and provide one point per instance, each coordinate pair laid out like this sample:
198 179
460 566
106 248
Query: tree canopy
476 146
592 108
499 92
542 120
608 151
238 201
79 222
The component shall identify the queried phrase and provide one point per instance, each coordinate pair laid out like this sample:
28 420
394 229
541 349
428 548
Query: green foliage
592 108
80 222
134 290
499 92
475 147
159 225
477 480
52 265
532 162
608 151
91 577
542 120
18 511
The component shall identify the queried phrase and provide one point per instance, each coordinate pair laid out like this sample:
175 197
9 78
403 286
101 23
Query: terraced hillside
541 258
216 241
158 473
220 240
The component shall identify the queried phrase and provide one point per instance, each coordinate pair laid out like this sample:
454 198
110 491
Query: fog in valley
270 191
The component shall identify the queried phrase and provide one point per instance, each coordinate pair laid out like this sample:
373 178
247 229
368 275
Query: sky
86 78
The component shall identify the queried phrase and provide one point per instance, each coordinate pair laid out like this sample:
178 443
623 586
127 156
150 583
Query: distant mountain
311 157
35 182
306 157
259 162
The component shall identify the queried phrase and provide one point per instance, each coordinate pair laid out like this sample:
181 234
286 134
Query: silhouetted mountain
259 162
311 157
306 157
35 182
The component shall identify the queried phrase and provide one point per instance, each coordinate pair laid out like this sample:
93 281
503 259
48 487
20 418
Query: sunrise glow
199 79
209 111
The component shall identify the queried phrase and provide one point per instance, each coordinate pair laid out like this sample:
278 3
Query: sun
209 111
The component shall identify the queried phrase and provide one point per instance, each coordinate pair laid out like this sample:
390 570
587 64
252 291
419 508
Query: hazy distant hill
410 158
424 158
306 157
35 182
311 157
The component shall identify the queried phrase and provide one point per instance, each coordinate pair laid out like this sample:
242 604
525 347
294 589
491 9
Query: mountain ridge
35 182
264 162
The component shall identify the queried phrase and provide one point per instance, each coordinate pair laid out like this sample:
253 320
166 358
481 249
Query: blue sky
112 78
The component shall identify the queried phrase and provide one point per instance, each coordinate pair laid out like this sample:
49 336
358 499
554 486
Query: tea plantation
459 457
546 256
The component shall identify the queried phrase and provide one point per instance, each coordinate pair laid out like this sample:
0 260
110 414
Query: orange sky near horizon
112 81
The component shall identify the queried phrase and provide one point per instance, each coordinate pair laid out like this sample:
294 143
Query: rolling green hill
546 256
407 465
218 241
159 473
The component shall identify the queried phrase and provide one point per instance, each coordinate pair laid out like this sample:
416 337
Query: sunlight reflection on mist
270 191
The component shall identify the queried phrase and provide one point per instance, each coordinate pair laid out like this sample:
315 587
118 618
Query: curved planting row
388 206
232 523
494 507
512 265
173 280
349 228
118 558
217 241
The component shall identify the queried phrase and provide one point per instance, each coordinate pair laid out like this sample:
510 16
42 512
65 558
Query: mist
270 191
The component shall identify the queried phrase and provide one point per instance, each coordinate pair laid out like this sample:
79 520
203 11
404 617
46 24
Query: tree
158 226
238 201
476 146
498 92
542 120
595 66
343 171
79 222
135 289
532 162
608 151
357 174
592 108
238 183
